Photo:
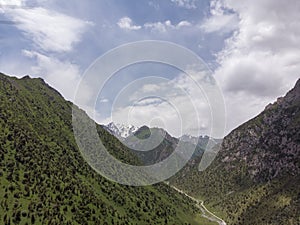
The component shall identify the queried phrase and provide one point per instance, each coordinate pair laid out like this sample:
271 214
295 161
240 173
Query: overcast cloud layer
252 48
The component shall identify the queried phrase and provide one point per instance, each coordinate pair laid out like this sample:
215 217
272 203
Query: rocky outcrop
269 144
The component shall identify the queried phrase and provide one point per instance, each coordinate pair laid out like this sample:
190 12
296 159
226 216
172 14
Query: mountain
120 131
194 140
153 149
201 140
153 145
45 180
255 178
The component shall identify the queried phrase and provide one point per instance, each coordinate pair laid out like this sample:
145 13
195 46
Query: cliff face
255 177
269 144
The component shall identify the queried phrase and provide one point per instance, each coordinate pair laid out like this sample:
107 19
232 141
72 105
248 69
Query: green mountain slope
255 178
45 180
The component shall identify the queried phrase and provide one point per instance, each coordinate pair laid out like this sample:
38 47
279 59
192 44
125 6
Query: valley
205 212
44 178
174 112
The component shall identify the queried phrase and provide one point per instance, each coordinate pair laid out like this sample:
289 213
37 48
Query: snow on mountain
121 131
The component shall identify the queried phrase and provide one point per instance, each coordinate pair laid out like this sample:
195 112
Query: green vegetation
45 180
161 145
238 200
255 178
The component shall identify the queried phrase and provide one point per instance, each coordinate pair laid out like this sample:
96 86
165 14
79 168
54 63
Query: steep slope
255 178
44 179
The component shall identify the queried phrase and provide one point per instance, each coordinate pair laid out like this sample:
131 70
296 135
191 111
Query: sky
250 48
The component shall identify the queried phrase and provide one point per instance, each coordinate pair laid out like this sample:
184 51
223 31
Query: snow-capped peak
121 130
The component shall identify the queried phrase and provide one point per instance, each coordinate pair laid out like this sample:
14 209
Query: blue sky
252 47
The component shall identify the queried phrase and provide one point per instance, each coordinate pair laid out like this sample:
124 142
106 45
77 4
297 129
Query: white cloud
188 4
167 25
261 61
149 101
221 23
220 20
11 3
126 24
65 77
104 100
183 23
49 30
62 75
150 87
177 105
158 26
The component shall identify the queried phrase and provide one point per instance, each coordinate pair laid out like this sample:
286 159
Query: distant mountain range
159 146
123 132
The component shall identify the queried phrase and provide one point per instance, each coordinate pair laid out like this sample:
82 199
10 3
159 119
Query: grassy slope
44 179
230 189
239 201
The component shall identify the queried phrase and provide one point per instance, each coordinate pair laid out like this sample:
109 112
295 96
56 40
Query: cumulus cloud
220 20
11 3
127 24
183 23
188 4
261 60
167 25
178 105
49 30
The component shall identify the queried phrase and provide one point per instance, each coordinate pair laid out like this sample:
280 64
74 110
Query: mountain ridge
153 145
45 180
255 177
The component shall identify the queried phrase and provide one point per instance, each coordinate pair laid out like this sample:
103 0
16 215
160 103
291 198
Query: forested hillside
45 180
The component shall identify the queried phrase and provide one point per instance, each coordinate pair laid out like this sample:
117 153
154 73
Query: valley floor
205 212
